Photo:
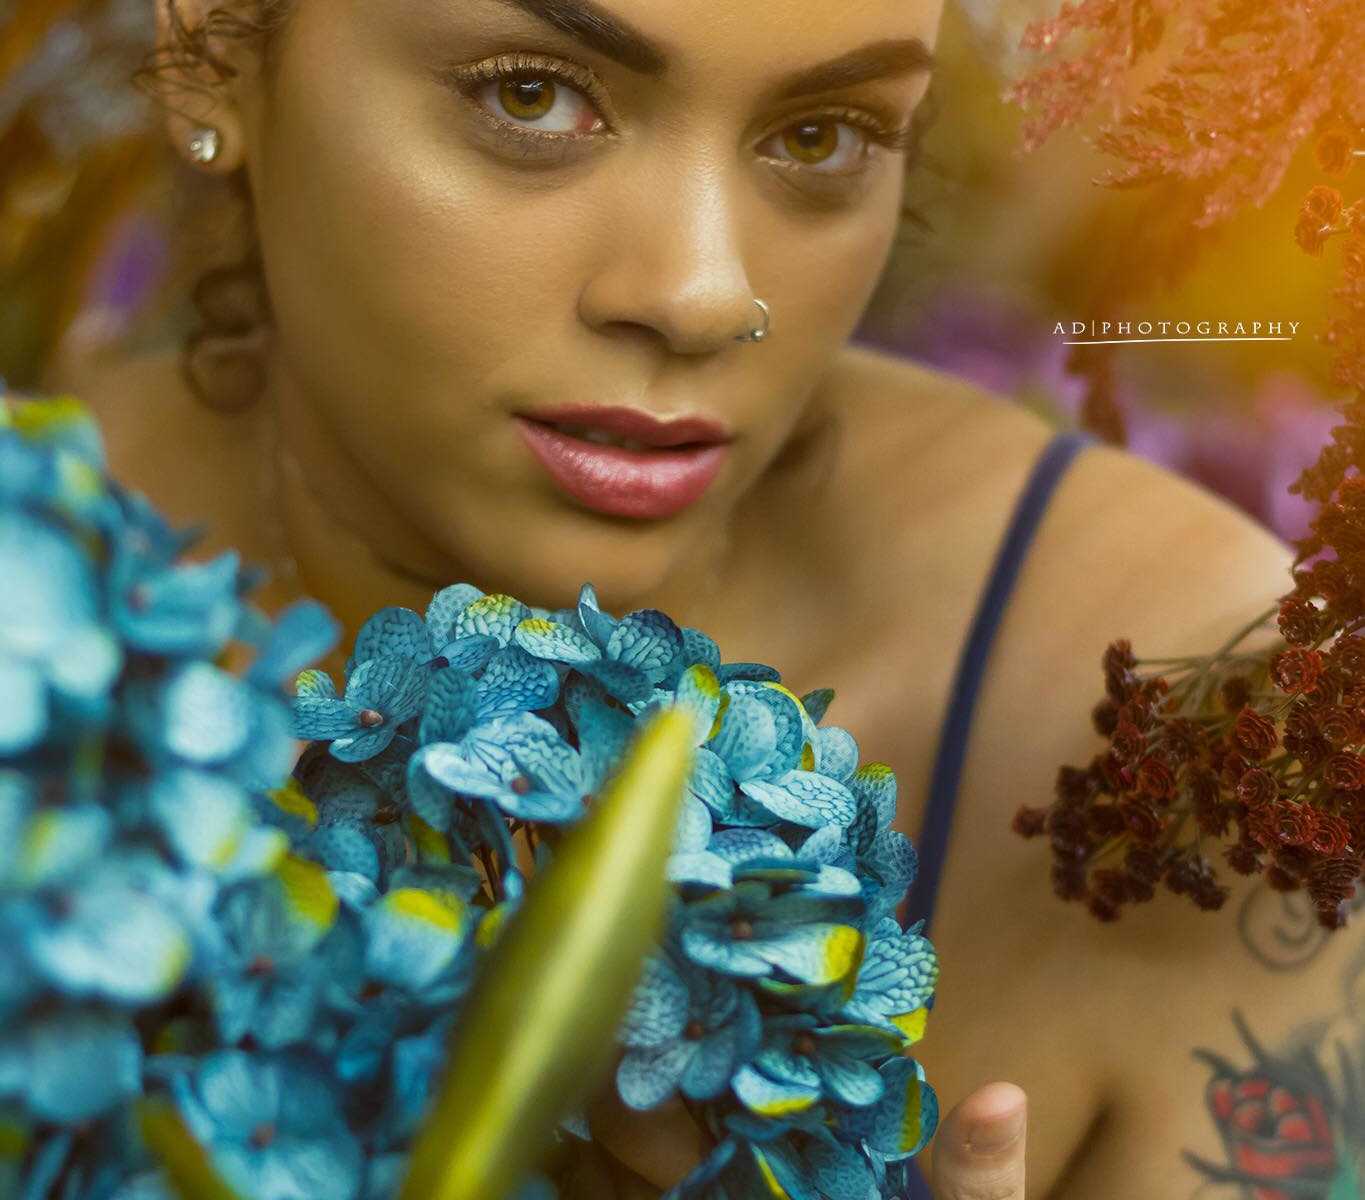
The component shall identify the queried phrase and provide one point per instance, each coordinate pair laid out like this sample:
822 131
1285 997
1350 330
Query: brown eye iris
812 141
527 99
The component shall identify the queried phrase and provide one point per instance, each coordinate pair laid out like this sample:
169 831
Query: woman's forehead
666 38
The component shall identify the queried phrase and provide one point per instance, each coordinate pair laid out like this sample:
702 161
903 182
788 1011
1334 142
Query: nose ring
757 335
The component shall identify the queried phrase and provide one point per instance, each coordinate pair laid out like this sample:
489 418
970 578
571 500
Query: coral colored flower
1311 233
1332 151
1323 203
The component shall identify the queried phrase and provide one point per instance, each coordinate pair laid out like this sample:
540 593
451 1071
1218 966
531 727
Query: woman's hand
979 1146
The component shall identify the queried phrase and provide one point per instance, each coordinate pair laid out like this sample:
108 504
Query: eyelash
469 79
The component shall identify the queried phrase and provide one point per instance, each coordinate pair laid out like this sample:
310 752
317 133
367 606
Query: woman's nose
672 268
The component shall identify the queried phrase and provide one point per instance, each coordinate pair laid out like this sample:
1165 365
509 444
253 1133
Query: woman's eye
824 144
541 103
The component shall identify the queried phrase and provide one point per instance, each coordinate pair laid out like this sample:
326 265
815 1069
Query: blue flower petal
626 683
877 782
469 653
646 1077
903 1120
761 1095
700 867
658 1005
23 716
836 753
551 640
817 702
694 827
445 607
118 944
302 633
804 798
495 615
413 936
737 846
392 632
596 624
746 739
450 706
850 1080
818 953
81 1063
647 640
514 682
391 683
204 713
698 647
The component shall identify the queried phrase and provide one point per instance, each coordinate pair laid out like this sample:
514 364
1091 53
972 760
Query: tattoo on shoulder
1281 930
1292 1121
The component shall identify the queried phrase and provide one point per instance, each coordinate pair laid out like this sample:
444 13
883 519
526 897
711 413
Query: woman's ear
199 81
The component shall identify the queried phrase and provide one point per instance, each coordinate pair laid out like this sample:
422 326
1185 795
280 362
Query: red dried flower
1142 864
1340 724
1117 663
1105 820
1102 910
1142 818
1242 858
1297 669
1255 733
1128 743
1332 880
1155 778
1029 821
1221 120
1105 717
1299 620
1073 785
1257 787
1349 653
1332 836
1345 770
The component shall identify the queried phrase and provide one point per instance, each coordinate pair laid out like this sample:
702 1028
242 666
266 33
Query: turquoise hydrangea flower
687 1030
282 947
273 1125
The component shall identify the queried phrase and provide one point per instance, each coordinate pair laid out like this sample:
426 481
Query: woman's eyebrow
598 29
613 38
876 60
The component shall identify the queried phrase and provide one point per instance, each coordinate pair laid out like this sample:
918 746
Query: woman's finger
979 1147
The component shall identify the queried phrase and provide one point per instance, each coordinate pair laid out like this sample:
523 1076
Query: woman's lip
634 424
646 484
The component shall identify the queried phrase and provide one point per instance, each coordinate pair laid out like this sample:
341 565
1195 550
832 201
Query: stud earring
205 144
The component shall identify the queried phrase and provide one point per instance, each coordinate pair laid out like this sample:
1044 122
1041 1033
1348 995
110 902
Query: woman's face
486 221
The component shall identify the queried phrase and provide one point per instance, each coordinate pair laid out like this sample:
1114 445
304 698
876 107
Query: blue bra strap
933 841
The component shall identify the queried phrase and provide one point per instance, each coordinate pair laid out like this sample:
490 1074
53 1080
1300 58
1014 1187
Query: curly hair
222 359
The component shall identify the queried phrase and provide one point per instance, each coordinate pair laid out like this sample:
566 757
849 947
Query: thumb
979 1148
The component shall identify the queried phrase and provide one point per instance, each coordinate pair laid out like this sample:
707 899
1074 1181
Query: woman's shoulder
941 454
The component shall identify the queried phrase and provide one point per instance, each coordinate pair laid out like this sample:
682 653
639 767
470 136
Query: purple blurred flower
1247 454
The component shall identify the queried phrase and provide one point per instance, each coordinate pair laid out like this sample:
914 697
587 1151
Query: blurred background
93 258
